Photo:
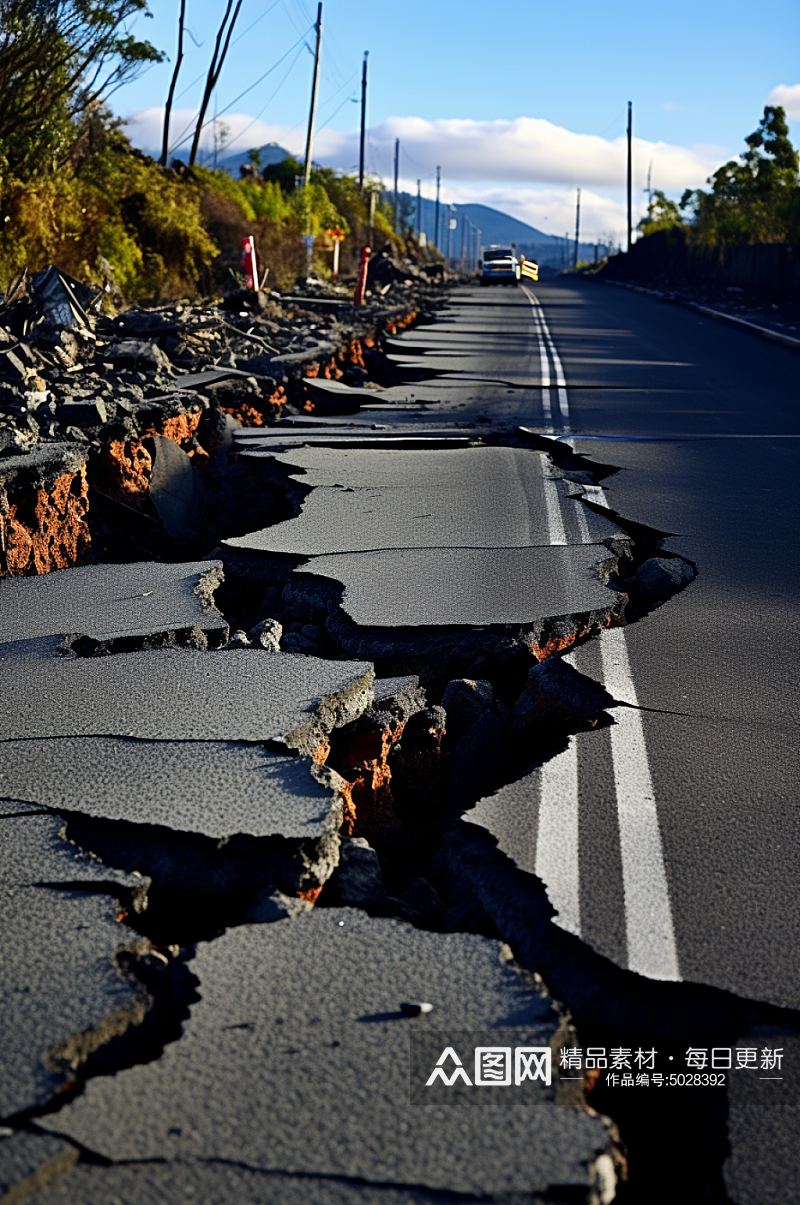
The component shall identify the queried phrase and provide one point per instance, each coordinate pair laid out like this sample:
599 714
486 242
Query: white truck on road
504 265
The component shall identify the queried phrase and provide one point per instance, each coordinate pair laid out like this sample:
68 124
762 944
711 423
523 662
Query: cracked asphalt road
443 531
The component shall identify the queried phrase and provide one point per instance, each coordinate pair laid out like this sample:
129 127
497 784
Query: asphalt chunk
184 695
110 602
314 1001
215 788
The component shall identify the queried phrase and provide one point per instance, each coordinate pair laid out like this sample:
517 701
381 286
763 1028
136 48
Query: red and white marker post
249 262
361 283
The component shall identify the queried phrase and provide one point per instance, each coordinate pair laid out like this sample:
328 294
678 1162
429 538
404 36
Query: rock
414 1008
82 414
465 700
478 762
267 634
295 642
423 900
270 905
138 354
659 577
358 876
558 692
239 640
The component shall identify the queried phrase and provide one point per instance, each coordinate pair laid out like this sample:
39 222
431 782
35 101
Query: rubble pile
133 413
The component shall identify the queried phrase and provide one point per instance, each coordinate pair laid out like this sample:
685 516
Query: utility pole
577 226
630 165
363 122
396 179
313 110
436 217
419 207
649 189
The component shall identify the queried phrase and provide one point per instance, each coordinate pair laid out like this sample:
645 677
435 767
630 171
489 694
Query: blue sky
520 102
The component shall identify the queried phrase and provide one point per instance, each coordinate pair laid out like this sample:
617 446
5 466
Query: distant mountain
501 228
494 226
271 153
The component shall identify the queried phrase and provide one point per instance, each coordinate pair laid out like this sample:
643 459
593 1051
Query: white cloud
527 150
787 95
145 130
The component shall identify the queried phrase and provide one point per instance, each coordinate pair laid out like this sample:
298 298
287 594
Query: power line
291 68
184 136
351 99
233 43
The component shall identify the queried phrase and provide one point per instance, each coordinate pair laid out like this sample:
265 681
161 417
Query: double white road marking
648 913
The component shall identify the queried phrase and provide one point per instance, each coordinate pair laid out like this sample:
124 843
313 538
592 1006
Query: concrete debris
267 634
315 1000
239 640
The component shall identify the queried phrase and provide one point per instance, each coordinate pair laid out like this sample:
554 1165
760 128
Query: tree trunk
215 67
173 82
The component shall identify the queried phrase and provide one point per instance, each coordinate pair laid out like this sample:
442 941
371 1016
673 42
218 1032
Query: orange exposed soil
48 531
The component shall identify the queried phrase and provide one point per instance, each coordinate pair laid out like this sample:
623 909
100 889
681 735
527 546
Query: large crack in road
346 764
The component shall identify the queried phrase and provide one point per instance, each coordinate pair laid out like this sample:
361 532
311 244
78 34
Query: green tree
755 198
662 214
58 59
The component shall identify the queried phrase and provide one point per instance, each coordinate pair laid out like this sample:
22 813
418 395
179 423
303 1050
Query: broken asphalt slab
418 541
255 792
63 992
449 587
316 1001
481 498
184 695
112 602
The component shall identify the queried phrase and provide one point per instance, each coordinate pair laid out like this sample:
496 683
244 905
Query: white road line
557 841
648 913
544 364
555 518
